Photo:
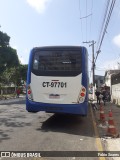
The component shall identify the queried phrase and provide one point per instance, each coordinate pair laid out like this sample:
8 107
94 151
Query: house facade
108 76
99 81
115 88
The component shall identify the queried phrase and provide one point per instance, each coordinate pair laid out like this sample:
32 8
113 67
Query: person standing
18 92
97 93
104 93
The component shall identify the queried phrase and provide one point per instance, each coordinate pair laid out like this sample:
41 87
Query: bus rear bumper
80 109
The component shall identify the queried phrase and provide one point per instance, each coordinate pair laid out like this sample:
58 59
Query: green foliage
14 75
4 39
8 55
11 71
8 58
23 71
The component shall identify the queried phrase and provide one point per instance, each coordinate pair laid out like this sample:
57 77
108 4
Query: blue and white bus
57 80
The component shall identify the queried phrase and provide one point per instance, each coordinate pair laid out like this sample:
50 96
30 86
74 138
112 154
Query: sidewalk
116 114
13 99
109 144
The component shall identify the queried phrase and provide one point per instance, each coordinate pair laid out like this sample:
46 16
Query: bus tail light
82 95
29 93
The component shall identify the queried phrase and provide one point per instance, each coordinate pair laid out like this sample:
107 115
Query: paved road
23 131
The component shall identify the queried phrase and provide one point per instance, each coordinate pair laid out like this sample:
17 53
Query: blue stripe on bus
29 69
57 108
85 71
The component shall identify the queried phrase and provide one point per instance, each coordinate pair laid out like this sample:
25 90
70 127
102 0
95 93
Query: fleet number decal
54 84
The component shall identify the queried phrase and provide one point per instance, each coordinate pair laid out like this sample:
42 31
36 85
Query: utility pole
93 65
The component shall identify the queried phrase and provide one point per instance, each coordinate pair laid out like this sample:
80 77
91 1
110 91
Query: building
108 75
99 81
115 88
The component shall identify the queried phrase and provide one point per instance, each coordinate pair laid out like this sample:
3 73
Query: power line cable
86 16
103 22
106 25
81 20
89 59
86 20
108 19
91 17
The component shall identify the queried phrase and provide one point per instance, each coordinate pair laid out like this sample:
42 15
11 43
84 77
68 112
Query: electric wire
108 19
86 16
81 20
89 59
91 18
86 20
106 25
103 22
105 28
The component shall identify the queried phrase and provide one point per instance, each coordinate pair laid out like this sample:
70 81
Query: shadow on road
3 136
11 123
70 124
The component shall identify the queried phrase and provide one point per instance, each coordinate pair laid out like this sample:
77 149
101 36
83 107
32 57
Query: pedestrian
109 96
18 92
97 93
104 93
101 96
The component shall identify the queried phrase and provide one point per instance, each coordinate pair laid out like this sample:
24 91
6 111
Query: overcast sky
32 23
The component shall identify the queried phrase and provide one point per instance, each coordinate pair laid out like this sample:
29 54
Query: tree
23 71
14 75
4 39
8 58
11 71
8 55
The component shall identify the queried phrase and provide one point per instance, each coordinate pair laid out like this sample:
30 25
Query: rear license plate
54 96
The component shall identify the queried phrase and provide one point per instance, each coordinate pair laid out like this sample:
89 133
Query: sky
35 23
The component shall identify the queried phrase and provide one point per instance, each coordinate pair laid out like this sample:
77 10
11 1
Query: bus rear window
57 62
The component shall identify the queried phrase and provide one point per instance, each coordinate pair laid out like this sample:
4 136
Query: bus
57 80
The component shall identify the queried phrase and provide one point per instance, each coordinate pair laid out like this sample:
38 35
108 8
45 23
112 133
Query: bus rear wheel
32 111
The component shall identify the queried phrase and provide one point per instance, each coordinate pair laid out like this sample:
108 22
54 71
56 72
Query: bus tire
32 111
83 115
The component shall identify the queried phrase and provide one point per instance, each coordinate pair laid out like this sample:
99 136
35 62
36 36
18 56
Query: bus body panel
80 109
85 78
67 102
66 94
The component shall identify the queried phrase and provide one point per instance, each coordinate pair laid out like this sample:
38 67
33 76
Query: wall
116 93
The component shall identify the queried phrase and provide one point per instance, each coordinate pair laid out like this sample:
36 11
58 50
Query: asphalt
13 99
109 143
102 127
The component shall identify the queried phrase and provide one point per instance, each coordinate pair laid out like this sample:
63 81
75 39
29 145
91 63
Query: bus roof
59 47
